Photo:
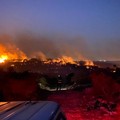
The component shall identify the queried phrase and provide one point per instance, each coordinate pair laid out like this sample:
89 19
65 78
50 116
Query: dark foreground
75 104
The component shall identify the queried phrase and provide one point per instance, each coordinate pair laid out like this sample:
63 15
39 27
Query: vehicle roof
28 110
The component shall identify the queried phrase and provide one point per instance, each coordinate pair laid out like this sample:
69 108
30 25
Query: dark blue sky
97 21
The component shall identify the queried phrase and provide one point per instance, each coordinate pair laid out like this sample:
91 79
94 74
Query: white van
31 110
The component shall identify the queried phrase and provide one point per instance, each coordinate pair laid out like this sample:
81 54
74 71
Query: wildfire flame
67 59
10 52
89 63
64 60
61 60
3 58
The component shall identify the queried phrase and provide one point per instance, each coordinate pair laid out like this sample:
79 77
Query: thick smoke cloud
8 49
53 47
37 46
108 49
6 39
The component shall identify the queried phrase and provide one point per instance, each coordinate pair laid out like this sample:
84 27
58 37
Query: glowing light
89 63
114 71
12 65
87 67
3 58
63 60
10 52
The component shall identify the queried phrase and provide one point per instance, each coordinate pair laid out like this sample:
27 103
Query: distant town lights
102 60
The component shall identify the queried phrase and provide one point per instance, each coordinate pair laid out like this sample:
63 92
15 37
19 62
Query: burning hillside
10 52
89 63
62 60
39 48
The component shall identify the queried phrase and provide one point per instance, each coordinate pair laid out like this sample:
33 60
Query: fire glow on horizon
9 52
12 52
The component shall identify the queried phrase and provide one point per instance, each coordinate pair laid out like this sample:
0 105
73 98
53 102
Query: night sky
88 27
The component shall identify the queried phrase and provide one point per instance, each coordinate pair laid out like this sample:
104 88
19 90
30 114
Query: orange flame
64 60
3 58
89 63
67 59
10 52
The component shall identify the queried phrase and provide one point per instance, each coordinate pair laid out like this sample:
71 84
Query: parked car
31 110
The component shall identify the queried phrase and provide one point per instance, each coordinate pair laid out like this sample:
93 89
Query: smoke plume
51 47
44 47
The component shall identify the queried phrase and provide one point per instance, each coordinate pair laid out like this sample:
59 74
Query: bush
104 85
